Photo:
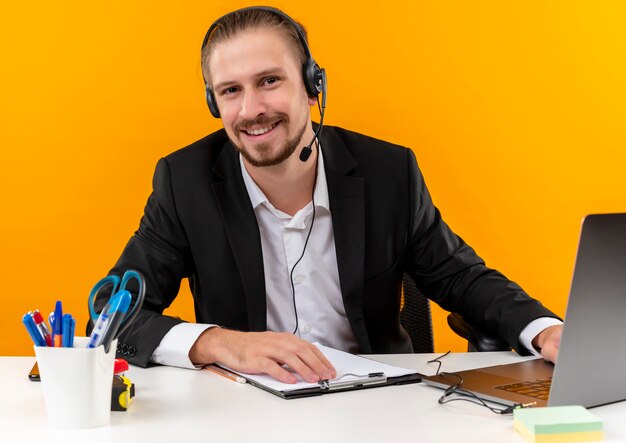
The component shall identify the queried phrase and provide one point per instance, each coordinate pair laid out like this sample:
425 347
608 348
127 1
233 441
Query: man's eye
271 80
229 91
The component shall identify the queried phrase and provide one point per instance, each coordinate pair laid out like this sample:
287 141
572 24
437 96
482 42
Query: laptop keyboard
537 388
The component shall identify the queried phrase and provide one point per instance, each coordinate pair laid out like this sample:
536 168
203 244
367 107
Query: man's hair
246 19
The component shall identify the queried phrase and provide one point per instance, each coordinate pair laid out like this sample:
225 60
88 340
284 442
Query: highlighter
109 320
116 313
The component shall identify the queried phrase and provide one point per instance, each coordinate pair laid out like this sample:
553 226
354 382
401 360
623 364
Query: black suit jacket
199 223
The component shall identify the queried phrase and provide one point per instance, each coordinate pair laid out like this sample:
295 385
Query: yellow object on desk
122 393
558 424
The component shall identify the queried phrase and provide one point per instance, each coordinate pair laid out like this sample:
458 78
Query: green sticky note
557 420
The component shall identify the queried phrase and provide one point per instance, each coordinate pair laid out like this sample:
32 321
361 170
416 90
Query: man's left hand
548 341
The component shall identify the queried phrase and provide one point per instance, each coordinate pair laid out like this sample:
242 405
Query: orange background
515 110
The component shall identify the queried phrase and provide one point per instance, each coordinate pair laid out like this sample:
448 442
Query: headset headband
311 72
275 11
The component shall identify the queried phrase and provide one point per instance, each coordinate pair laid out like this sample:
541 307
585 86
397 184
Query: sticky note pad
558 424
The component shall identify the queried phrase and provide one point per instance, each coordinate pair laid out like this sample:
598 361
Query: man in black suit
284 248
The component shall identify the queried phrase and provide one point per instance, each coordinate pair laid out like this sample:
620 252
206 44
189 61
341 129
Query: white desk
181 406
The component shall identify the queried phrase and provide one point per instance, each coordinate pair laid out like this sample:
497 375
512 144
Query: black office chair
415 318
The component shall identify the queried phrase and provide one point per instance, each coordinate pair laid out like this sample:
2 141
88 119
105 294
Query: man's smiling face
257 82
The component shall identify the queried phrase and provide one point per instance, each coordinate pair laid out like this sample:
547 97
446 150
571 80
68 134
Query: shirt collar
257 197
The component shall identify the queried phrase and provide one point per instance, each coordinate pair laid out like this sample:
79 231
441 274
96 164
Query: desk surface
188 405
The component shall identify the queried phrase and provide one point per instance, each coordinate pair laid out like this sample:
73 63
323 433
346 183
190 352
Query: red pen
41 325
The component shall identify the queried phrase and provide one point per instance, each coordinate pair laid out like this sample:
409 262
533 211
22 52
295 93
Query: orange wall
515 110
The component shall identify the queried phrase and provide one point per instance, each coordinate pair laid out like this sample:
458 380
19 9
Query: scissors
118 289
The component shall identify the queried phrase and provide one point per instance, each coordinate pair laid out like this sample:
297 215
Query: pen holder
77 384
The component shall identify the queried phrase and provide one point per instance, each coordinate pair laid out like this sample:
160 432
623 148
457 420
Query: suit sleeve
160 251
449 272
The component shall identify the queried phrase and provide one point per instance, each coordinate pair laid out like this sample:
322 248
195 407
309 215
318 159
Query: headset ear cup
312 78
210 101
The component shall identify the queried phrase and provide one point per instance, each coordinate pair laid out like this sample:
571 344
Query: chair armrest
477 339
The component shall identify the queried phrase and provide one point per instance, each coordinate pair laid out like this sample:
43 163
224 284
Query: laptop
592 356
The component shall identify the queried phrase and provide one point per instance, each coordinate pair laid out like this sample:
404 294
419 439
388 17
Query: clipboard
353 372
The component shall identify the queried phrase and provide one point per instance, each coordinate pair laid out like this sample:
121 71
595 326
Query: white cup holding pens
77 384
77 381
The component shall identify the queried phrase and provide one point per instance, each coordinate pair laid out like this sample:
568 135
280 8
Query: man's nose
252 105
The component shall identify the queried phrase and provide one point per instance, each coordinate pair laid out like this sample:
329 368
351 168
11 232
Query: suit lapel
347 204
243 234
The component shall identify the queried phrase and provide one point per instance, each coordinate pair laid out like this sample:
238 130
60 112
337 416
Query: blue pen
51 321
33 331
68 330
71 340
57 337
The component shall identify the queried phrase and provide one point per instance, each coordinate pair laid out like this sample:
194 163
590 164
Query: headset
313 76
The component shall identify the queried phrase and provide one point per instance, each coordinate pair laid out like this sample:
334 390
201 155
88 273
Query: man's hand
262 353
548 341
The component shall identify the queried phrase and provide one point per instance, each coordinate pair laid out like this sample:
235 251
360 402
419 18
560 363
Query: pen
41 326
33 331
57 338
51 321
68 330
224 373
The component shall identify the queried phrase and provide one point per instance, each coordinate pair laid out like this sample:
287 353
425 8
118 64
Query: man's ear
312 101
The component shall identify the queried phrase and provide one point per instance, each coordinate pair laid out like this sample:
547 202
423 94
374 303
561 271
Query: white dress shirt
318 301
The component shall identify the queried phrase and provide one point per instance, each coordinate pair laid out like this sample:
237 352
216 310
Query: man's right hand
262 353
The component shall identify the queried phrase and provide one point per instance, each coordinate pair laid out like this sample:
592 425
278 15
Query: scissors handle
113 280
119 284
141 291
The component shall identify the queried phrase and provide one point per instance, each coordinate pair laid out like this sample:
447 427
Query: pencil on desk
224 373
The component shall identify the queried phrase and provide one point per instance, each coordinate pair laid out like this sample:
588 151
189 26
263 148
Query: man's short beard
264 148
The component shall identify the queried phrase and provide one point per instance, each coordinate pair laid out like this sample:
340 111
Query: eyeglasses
438 361
455 391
